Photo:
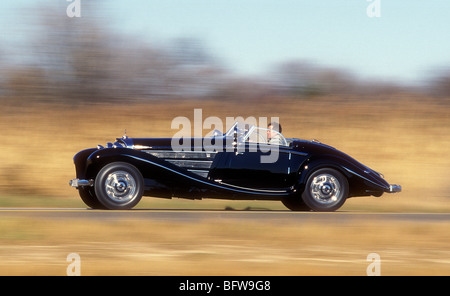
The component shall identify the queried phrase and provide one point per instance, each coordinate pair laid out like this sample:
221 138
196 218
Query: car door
254 165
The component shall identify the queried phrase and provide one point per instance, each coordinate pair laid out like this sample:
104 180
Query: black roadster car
240 164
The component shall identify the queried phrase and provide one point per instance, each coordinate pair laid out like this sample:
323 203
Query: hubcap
325 189
120 186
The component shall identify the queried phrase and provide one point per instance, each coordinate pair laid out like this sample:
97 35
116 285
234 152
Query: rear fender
362 180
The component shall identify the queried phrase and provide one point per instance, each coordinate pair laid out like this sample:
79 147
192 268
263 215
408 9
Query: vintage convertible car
240 164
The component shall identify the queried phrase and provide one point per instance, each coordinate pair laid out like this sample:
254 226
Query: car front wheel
295 203
326 190
119 186
88 197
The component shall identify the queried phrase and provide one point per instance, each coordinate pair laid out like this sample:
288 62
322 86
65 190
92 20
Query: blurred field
31 246
405 138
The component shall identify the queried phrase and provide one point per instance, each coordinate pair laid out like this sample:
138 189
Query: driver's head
273 126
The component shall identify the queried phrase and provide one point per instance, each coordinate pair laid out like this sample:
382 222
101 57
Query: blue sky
410 39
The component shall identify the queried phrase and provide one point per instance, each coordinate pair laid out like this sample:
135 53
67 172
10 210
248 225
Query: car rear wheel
119 186
326 190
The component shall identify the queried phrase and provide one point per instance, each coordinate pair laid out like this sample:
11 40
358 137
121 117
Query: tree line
81 60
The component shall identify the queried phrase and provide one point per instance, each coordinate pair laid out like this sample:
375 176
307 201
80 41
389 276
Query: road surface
201 214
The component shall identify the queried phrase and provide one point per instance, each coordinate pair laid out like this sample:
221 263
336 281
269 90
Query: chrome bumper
395 188
80 183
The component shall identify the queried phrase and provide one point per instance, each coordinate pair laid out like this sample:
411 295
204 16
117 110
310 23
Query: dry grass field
222 247
406 138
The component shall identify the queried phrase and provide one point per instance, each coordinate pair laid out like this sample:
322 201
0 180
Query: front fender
80 161
102 157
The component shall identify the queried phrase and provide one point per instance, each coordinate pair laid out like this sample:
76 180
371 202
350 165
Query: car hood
148 143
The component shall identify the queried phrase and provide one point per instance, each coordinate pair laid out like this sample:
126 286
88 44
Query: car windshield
253 134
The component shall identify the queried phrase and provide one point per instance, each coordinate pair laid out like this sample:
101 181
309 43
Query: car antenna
125 135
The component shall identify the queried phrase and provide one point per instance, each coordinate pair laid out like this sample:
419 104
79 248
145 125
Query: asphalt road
200 214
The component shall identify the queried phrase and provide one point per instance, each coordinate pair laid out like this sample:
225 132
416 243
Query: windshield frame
243 135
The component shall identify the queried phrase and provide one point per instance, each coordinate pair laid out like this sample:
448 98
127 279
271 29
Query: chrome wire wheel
120 186
325 189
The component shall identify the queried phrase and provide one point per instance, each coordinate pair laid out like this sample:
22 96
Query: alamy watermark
74 8
74 268
374 268
374 8
244 135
